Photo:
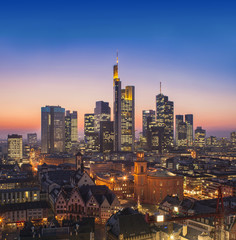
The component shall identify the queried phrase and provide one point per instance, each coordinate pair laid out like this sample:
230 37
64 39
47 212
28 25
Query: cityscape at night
118 120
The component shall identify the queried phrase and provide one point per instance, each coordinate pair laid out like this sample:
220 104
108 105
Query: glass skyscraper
71 129
124 112
102 112
165 119
148 115
53 129
189 123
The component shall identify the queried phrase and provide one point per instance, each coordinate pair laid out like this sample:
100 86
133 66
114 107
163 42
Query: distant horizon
63 54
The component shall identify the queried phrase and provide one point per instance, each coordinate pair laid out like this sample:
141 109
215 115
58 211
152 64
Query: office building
200 136
91 137
53 129
71 129
32 139
15 147
181 132
155 137
117 108
189 123
165 119
124 126
106 136
127 119
102 112
148 115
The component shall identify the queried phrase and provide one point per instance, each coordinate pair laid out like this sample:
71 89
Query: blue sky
50 45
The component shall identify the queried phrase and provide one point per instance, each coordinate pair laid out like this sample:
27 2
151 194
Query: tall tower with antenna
116 107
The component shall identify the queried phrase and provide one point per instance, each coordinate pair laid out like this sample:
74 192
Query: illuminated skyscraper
200 136
148 115
90 136
71 129
189 123
165 119
15 147
178 119
53 129
127 119
102 112
181 132
117 108
124 112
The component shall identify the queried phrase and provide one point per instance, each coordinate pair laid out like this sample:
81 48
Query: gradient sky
62 53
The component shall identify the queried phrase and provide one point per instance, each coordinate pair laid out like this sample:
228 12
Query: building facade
71 129
102 112
153 187
32 139
200 137
165 119
189 123
148 116
15 147
53 129
127 119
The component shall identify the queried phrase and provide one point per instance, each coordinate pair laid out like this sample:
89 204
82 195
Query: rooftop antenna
117 56
160 87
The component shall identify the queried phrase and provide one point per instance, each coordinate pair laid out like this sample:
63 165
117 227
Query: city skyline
46 60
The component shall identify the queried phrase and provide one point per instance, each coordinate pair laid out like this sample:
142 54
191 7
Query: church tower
140 178
79 162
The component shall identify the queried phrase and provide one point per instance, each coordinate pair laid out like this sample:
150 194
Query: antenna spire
160 87
117 56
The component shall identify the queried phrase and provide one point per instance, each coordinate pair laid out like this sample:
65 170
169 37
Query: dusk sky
62 53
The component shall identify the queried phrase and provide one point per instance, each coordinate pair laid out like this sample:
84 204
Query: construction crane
218 216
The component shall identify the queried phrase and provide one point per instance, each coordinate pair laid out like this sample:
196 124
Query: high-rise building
200 136
15 147
88 123
127 119
165 119
178 119
102 112
53 129
90 136
106 136
32 139
180 131
189 123
117 108
148 115
124 127
71 129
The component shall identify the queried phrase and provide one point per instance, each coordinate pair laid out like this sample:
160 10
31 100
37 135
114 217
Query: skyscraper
15 147
90 136
117 108
127 119
53 129
200 136
102 112
165 119
178 119
124 112
148 115
189 123
71 129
